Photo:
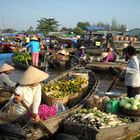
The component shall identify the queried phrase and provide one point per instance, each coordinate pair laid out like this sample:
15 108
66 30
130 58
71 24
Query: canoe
4 97
71 62
100 66
53 123
25 66
123 131
6 55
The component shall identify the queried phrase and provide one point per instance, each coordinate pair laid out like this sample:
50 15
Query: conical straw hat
6 67
63 52
82 47
34 38
104 54
125 45
32 76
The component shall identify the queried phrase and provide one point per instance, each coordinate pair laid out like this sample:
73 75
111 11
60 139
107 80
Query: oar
46 130
114 81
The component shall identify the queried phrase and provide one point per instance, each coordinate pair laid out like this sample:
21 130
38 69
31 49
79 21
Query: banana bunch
21 57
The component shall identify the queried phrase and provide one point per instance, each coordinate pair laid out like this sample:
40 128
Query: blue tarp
95 28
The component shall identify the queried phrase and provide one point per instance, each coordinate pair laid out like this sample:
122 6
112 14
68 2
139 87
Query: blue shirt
34 46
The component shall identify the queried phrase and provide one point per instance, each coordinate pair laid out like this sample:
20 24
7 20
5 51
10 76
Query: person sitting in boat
61 55
108 56
5 82
35 47
82 53
29 91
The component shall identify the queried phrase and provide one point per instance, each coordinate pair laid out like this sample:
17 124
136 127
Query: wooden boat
7 47
122 132
6 55
53 123
4 97
71 62
100 66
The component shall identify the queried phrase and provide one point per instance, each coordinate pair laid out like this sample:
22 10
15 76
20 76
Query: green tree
30 30
8 30
82 25
45 25
65 29
78 31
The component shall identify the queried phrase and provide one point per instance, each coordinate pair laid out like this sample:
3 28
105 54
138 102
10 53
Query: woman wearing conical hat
61 55
35 46
29 91
82 53
5 82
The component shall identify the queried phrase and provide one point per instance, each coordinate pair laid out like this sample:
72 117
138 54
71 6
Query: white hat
6 67
63 52
125 45
104 54
82 47
32 76
34 38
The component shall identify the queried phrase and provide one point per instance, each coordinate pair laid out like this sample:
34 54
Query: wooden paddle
44 128
114 81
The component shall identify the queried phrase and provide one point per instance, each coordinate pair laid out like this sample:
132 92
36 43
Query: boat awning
95 28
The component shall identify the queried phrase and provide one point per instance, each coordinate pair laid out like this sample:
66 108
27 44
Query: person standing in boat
35 47
27 39
126 46
108 56
5 82
29 91
132 76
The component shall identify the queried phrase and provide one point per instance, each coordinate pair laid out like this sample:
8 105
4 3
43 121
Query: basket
51 101
84 75
74 96
130 112
84 87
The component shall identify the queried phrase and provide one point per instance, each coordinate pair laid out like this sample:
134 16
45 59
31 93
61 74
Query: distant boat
6 55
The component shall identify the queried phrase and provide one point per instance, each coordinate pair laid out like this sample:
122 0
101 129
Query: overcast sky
21 14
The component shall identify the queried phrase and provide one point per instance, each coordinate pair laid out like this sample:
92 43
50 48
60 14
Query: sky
21 14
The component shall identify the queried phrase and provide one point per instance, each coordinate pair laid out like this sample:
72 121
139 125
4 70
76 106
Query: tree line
46 25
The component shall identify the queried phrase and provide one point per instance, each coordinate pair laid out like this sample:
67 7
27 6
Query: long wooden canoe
53 123
100 66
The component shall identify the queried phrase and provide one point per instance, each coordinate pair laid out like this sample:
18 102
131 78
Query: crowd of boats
94 115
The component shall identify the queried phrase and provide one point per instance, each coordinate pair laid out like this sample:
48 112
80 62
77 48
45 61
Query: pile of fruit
95 118
132 103
65 87
96 101
21 57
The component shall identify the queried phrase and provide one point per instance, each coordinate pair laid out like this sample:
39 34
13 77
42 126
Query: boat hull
53 123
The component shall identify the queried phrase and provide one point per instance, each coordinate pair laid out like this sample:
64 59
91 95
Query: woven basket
130 112
84 87
51 101
75 96
77 75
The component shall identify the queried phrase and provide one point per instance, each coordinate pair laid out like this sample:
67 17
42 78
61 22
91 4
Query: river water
17 73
